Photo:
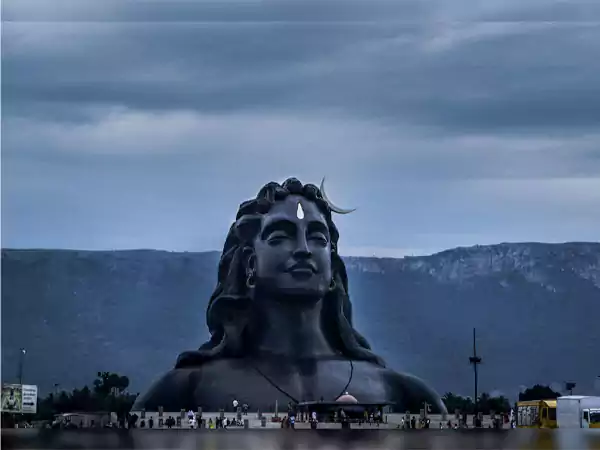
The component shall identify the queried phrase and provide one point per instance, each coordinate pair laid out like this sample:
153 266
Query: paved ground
298 440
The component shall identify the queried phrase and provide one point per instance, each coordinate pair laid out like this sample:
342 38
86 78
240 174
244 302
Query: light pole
475 360
569 387
22 353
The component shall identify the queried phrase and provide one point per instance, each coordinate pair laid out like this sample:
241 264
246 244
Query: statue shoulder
412 393
190 387
170 391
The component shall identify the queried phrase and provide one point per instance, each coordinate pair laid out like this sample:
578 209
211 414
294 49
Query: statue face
293 250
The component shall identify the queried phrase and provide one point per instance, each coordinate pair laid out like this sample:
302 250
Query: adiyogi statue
280 319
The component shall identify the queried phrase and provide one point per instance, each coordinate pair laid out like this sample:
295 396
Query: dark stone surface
280 319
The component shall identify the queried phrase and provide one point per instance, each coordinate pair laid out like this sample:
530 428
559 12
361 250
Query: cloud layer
145 124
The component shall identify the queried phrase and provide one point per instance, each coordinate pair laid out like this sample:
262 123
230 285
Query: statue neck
292 328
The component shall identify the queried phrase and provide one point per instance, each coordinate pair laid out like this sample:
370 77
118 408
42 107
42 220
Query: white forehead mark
300 212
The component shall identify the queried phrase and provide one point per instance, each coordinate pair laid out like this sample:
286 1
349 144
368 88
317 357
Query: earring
332 285
250 279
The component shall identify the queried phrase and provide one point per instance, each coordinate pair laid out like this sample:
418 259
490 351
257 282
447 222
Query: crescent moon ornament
335 209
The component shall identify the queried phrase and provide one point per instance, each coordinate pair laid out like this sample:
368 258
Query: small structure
347 398
345 407
85 419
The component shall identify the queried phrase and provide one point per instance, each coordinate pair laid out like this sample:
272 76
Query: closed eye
321 239
277 238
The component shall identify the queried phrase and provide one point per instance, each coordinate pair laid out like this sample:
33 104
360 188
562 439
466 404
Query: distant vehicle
578 411
536 414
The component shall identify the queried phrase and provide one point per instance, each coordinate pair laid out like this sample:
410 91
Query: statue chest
261 384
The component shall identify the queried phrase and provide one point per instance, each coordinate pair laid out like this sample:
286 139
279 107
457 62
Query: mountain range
536 308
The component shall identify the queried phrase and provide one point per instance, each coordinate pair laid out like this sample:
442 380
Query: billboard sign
19 399
29 395
12 398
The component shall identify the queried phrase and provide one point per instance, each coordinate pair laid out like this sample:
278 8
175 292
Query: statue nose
302 250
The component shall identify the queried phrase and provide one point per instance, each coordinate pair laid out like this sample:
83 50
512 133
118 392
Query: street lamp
22 353
475 360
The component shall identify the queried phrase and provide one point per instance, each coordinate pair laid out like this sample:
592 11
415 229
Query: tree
108 394
499 404
107 381
455 402
538 392
485 403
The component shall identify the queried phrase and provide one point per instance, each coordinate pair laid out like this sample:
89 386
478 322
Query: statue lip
302 267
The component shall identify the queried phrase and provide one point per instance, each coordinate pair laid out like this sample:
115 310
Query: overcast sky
144 124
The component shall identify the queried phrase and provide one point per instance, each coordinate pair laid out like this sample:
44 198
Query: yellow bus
536 414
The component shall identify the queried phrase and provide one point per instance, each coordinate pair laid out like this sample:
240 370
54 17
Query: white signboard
29 396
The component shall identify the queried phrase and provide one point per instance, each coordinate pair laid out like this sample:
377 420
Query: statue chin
299 290
296 295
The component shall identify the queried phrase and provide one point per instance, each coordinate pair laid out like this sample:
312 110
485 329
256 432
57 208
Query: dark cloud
146 115
465 75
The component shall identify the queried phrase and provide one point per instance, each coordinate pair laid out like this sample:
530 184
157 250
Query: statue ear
248 257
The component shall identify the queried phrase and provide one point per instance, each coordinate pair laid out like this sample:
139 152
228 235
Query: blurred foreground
301 439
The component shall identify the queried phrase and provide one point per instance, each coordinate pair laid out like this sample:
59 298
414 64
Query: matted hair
233 318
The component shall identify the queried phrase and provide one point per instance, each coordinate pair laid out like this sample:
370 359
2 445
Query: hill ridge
78 312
